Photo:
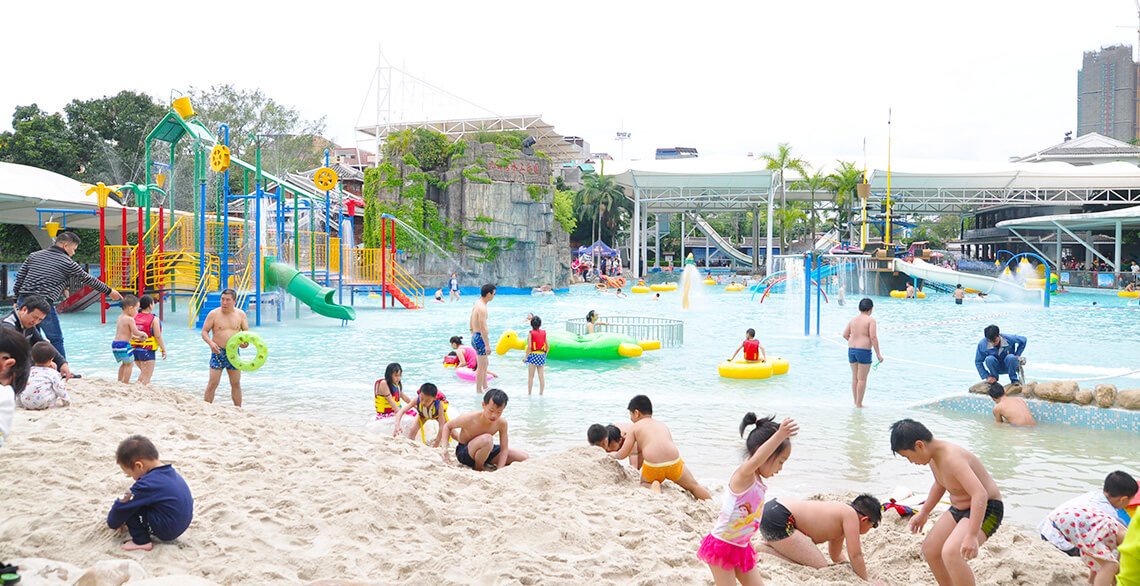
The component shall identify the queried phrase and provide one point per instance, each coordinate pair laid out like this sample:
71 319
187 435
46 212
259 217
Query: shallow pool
321 371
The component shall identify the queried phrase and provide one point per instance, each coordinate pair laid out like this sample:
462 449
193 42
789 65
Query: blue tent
598 248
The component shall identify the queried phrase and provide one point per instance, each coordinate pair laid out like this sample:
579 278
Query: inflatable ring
601 286
734 287
710 281
898 294
640 289
220 158
325 179
663 287
1132 294
620 282
740 369
779 365
233 346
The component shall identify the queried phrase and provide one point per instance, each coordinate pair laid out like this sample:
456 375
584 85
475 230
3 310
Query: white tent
23 189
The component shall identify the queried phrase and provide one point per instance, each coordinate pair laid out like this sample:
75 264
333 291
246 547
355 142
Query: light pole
621 137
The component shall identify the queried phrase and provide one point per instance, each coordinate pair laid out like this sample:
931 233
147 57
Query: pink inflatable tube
469 374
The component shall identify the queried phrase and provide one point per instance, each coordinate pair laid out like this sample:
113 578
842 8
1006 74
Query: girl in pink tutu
728 548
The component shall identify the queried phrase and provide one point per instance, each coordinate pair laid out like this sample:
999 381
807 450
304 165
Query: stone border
1104 395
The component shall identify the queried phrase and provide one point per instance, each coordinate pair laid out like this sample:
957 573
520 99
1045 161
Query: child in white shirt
45 388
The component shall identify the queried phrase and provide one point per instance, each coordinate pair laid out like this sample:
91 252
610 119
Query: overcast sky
972 80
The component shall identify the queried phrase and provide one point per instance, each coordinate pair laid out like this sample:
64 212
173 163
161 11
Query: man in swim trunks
959 294
221 324
861 335
999 354
974 496
791 530
477 447
659 456
480 336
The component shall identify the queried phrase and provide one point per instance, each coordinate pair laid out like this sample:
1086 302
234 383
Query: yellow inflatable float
640 287
902 294
739 369
664 287
710 281
734 287
1132 294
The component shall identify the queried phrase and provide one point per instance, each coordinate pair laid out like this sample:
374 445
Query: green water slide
319 298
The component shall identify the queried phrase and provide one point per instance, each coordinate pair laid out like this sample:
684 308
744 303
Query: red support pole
140 249
392 263
103 264
383 263
161 238
124 208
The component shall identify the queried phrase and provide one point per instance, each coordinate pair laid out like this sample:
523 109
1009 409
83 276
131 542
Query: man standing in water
481 337
223 323
861 335
453 285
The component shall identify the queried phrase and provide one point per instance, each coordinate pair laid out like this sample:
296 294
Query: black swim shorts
777 522
466 459
995 512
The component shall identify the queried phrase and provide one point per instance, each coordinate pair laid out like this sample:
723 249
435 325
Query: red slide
399 295
78 301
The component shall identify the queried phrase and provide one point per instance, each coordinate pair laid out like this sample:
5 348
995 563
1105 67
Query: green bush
564 210
508 138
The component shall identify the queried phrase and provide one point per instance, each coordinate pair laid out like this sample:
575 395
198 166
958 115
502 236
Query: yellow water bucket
183 107
159 179
52 228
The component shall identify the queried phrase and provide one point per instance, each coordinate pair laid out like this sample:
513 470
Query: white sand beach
287 502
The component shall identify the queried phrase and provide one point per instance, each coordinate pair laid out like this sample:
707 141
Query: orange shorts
662 472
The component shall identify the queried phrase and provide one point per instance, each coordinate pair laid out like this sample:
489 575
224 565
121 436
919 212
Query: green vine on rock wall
536 191
470 174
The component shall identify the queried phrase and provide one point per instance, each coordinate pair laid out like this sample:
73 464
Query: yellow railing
210 275
405 281
243 282
119 263
179 237
362 267
173 271
334 256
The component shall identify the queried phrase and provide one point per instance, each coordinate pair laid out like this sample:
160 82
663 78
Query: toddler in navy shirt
159 502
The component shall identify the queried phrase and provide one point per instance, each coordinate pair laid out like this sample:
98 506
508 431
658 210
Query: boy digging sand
861 335
125 332
159 502
476 447
791 530
1012 409
660 460
973 496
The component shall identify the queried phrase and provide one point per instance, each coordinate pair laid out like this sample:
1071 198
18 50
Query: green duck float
567 346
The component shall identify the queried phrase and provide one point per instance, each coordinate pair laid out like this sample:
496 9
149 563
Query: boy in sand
159 502
45 387
432 404
862 335
223 323
974 498
791 530
753 351
144 350
1011 410
477 447
660 459
481 336
611 438
125 332
1119 488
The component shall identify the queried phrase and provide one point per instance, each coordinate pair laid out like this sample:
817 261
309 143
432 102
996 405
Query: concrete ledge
1044 411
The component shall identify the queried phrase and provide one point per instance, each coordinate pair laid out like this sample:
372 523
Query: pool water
320 371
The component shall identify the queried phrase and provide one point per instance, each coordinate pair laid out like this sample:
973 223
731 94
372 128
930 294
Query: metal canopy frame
1116 220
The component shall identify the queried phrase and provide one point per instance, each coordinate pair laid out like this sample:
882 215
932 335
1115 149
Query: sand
286 502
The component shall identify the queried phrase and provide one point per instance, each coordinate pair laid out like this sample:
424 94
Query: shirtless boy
125 331
660 460
480 336
612 437
477 447
959 295
1011 410
223 323
976 509
861 335
791 530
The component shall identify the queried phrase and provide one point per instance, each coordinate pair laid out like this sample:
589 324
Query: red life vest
145 322
752 350
538 341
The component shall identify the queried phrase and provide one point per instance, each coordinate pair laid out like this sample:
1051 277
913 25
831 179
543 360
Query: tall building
1106 93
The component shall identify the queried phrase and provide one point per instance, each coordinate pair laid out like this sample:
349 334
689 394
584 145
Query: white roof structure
961 188
1087 149
697 184
24 188
1115 220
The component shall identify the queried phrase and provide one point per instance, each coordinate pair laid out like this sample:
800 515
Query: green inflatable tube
567 346
319 298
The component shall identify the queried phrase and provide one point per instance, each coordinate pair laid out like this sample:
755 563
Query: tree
288 141
782 160
601 201
812 181
39 139
109 134
844 182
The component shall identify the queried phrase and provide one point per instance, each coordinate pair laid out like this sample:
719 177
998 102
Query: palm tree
812 181
783 159
601 201
844 182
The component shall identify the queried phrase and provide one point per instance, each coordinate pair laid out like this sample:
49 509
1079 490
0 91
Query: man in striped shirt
46 273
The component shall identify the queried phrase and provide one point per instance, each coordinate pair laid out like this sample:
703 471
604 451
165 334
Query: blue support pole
328 232
257 248
807 294
818 292
224 257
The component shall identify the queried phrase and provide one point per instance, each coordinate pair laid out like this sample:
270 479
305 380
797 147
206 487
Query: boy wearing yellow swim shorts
661 460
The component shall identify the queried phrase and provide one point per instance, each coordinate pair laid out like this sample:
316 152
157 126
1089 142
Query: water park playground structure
262 253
